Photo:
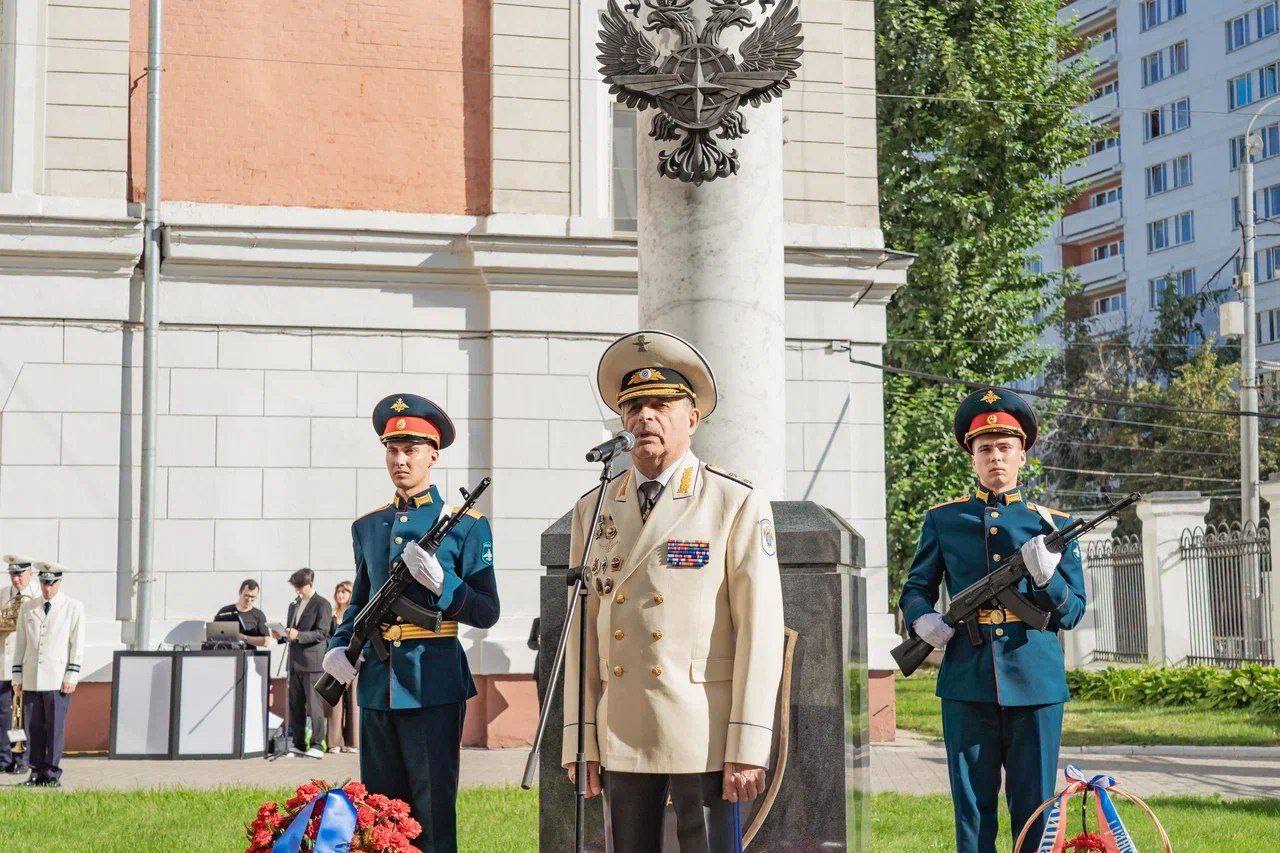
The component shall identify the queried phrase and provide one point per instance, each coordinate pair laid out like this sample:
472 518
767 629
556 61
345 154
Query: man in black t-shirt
253 622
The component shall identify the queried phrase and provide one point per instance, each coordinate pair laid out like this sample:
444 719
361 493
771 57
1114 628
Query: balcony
1101 272
1103 54
1093 165
1103 108
1084 10
1076 225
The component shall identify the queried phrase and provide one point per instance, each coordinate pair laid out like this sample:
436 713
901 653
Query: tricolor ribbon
1115 838
337 825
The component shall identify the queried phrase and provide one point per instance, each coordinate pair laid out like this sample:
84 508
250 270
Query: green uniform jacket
961 542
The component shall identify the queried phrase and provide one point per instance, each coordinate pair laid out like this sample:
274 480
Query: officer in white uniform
47 659
684 631
22 585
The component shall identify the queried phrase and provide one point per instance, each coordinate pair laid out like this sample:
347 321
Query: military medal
611 529
607 585
688 554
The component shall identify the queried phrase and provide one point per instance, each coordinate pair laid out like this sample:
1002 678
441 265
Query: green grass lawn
1091 722
505 820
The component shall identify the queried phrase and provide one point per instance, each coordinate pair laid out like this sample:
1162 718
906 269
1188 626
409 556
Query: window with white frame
1108 88
623 167
1171 231
1109 303
1105 144
1266 264
1168 119
1105 197
1268 326
1266 205
1182 283
1153 13
1253 25
1114 249
1035 265
1165 62
1169 175
1257 85
1270 136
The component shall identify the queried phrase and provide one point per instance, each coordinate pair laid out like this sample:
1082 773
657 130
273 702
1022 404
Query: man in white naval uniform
684 620
46 669
22 585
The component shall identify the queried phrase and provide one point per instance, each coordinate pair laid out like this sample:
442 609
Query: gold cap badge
990 397
399 406
400 423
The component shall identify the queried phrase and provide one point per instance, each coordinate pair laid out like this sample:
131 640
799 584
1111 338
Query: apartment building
1157 208
360 199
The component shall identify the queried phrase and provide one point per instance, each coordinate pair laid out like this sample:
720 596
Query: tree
976 126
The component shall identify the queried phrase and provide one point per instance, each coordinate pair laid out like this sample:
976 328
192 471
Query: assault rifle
998 589
389 601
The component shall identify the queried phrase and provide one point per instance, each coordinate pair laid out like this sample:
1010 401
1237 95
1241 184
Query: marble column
710 271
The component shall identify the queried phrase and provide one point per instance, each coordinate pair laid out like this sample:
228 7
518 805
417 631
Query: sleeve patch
768 538
486 553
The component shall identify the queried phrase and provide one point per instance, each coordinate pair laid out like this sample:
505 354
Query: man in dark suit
307 632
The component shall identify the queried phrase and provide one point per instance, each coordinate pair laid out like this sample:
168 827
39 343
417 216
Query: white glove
933 630
424 567
1041 562
336 664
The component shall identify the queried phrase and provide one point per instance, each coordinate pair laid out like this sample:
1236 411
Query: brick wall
367 105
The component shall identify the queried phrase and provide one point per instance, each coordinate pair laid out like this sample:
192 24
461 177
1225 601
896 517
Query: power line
1143 449
1070 398
1137 474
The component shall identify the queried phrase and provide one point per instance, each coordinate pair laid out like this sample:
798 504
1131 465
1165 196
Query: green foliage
1251 686
975 125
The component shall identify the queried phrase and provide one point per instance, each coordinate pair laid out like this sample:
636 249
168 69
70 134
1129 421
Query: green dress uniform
413 704
1002 699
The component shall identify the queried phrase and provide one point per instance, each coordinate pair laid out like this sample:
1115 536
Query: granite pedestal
823 801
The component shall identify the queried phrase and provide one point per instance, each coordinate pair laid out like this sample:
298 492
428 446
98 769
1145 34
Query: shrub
1251 686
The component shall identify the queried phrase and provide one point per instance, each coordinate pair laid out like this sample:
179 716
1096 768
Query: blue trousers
983 737
9 760
46 717
413 755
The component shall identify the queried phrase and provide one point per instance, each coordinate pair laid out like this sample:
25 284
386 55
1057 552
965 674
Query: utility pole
150 332
1250 510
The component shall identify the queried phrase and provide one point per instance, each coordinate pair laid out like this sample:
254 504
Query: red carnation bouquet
383 824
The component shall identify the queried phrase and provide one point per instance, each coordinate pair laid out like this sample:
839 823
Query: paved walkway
910 765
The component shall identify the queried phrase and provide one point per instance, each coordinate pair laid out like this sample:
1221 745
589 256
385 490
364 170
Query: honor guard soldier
1002 689
22 587
46 669
684 616
412 705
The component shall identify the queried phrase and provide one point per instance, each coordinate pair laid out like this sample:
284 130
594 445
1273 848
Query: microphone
622 442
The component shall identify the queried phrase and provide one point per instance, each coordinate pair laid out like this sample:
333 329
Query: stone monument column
710 270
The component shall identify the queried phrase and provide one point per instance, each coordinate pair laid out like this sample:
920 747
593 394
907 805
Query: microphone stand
575 577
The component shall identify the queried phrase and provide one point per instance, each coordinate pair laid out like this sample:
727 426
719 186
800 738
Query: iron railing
1229 593
1118 599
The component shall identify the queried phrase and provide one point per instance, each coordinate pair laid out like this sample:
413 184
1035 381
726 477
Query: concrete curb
909 740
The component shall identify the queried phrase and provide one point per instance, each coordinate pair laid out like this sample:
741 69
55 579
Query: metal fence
1229 593
1118 599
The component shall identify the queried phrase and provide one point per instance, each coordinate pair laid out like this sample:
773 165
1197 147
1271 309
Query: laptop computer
221 631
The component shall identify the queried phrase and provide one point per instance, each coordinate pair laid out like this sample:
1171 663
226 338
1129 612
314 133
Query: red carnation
398 808
355 790
380 837
377 802
267 809
364 817
262 838
295 802
410 827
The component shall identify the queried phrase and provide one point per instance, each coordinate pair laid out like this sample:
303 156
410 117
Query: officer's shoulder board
742 481
472 512
592 490
373 511
958 500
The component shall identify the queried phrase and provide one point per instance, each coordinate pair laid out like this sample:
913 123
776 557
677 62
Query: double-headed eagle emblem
697 86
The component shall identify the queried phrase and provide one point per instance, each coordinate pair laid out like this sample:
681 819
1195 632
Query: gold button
995 557
657 598
404 518
995 514
399 540
619 598
617 670
657 670
618 635
657 635
997 617
993 530
396 643
999 632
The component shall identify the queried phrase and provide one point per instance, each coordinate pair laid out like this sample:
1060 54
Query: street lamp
1249 507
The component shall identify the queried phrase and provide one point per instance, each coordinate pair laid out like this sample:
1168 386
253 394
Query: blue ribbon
337 825
737 828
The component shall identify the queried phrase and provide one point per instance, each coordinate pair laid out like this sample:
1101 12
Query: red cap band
1002 422
411 427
